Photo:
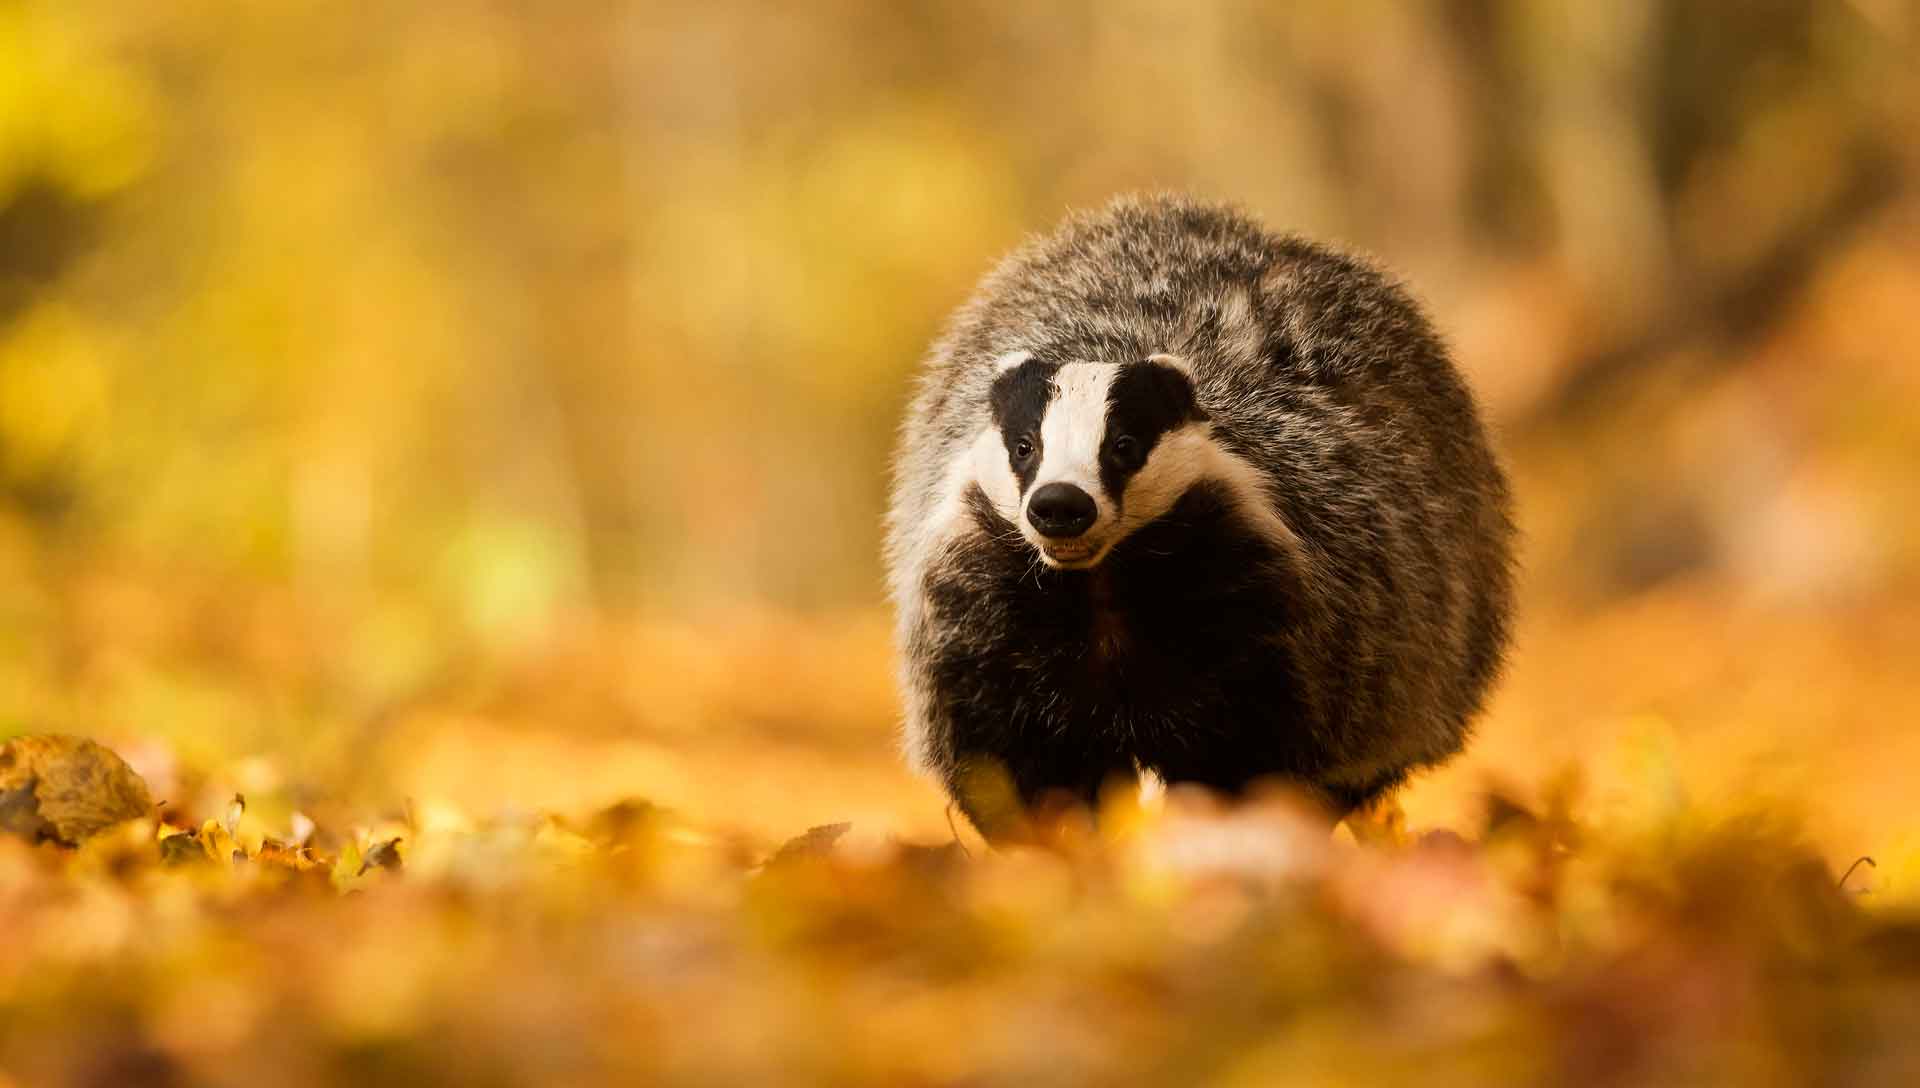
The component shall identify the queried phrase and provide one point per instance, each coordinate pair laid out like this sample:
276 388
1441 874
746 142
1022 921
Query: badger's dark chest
1176 637
1107 638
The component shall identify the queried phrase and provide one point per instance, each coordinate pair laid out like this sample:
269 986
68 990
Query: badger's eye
1022 450
1125 448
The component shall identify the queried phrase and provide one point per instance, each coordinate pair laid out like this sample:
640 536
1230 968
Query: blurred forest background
490 403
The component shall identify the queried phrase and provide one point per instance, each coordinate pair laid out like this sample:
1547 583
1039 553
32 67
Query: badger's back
1324 376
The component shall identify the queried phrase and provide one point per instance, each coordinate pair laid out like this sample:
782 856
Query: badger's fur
1179 494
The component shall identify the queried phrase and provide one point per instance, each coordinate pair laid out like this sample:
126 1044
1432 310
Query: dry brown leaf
382 855
185 848
64 789
210 843
817 842
236 808
293 856
624 821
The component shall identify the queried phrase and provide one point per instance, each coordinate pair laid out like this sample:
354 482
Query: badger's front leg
1008 796
1000 775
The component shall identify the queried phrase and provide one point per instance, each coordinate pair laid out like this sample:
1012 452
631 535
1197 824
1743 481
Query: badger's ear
1176 362
1011 360
1173 381
1021 387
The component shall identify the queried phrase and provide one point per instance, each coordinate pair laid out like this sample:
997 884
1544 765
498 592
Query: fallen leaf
64 789
817 842
624 821
382 855
293 856
184 848
303 828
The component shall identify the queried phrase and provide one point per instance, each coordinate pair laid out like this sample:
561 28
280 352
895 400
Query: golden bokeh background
488 405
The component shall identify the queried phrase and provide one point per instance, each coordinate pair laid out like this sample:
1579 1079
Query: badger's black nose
1061 510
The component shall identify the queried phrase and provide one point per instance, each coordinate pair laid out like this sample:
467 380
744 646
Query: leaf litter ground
1177 942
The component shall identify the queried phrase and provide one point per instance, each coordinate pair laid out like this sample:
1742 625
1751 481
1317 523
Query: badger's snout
1061 511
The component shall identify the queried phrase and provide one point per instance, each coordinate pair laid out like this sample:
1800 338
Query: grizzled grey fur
1333 618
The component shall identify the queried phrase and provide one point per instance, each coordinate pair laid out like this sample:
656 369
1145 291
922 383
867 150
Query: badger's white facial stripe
1178 461
1072 430
988 460
1188 456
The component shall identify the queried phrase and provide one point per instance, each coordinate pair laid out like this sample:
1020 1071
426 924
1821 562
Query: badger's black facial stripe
1146 400
1018 400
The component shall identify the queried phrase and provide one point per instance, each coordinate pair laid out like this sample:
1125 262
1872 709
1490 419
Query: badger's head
1080 454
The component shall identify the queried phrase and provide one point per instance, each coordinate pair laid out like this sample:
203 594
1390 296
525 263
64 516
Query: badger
1177 494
